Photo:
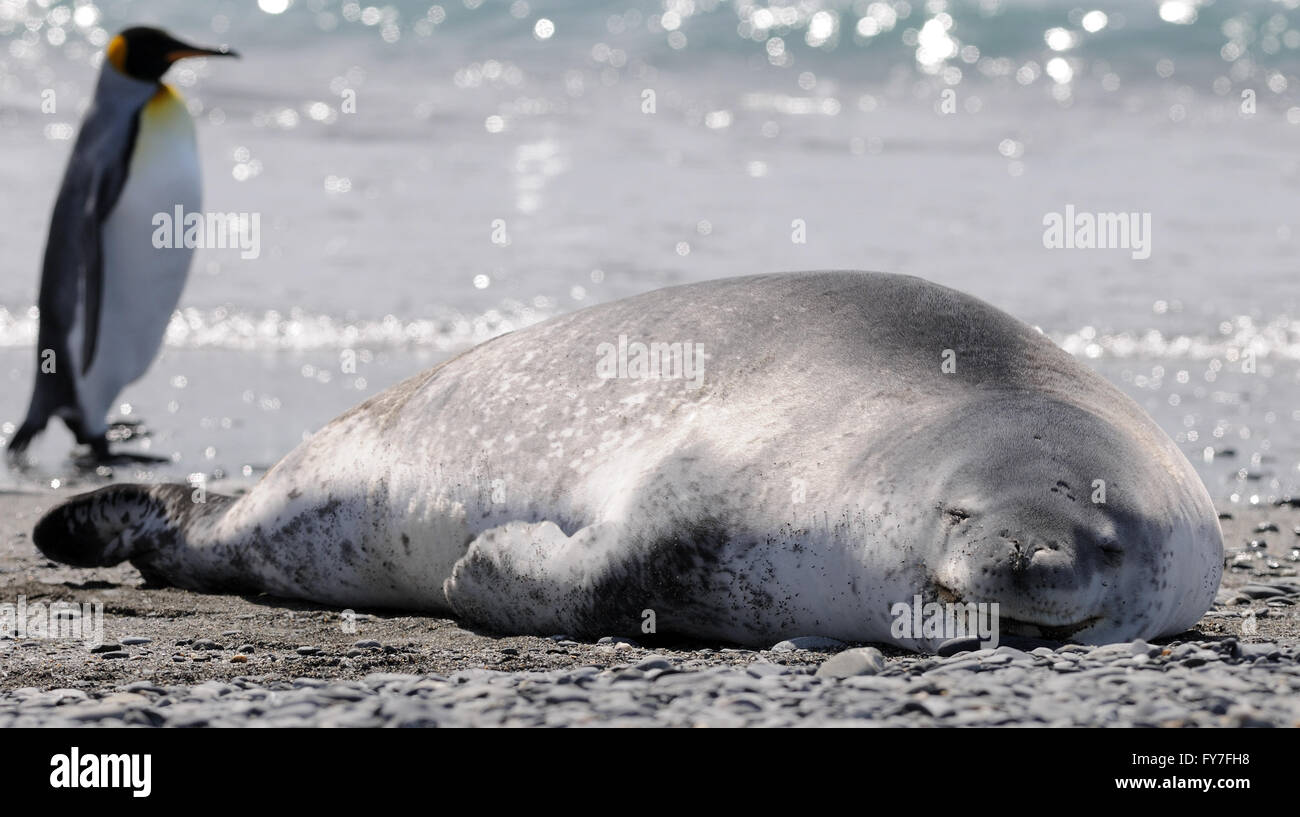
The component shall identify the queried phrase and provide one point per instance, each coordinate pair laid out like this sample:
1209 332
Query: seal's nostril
1111 553
1043 554
1018 557
955 516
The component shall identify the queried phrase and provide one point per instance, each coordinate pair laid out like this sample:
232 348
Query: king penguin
107 293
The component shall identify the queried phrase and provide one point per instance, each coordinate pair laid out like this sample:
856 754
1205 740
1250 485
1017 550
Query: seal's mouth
1020 627
1028 629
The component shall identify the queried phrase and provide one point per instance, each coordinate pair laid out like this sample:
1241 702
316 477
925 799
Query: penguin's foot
100 456
18 460
119 431
18 444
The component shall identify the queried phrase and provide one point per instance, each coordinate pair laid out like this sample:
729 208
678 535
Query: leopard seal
853 440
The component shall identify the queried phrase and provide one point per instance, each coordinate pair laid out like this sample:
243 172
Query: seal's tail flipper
119 522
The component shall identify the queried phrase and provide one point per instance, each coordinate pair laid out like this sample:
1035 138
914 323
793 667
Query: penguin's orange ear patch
117 53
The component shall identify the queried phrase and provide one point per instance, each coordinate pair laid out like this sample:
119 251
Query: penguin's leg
53 392
23 438
39 411
77 425
99 449
98 443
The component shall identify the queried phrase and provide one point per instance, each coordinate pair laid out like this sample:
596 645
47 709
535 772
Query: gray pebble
653 662
613 639
860 661
1252 651
807 642
379 679
1263 591
955 645
764 669
1109 652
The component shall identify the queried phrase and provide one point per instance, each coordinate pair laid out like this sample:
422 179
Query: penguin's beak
194 51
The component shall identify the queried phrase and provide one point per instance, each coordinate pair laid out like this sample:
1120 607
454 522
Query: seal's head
1058 515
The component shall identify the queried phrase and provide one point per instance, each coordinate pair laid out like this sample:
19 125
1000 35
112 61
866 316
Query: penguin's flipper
92 291
74 253
105 188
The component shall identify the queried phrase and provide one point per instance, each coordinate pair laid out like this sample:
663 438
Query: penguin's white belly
142 283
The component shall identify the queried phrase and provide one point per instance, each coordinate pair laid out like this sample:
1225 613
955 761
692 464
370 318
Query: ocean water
429 175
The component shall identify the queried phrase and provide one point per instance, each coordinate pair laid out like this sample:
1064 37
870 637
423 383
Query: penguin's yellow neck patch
166 104
117 53
165 95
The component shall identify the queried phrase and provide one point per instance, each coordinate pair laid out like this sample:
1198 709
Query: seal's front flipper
525 577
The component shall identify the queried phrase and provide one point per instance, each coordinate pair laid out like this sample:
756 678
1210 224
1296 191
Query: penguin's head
146 53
